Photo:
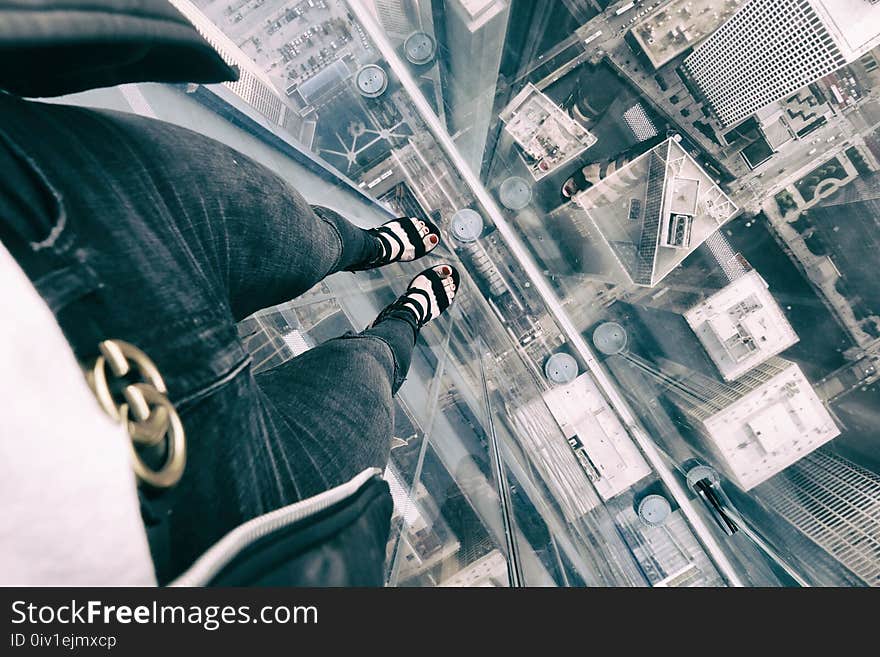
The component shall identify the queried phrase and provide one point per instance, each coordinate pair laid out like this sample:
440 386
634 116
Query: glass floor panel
661 370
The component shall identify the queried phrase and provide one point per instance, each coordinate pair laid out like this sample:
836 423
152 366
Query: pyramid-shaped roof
656 210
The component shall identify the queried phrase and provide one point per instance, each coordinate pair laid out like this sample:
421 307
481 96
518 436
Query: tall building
757 426
599 440
669 554
253 85
741 325
655 211
771 48
675 26
547 135
471 34
640 123
399 18
836 504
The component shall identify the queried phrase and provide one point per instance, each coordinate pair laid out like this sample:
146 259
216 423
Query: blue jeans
135 229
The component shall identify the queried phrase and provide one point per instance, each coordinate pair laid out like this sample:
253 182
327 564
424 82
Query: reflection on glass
651 288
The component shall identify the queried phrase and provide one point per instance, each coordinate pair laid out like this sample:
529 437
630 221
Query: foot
428 294
577 183
402 240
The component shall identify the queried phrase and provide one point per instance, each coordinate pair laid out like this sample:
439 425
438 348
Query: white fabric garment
68 502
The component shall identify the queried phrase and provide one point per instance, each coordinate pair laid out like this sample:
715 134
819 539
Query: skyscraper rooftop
765 422
656 210
593 430
253 85
548 136
741 326
851 23
676 26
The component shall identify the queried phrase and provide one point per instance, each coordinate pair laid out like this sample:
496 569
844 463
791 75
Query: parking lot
292 42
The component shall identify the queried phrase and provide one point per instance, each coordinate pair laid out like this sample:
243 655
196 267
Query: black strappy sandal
431 286
405 235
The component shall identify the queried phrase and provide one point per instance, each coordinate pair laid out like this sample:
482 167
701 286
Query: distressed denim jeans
135 229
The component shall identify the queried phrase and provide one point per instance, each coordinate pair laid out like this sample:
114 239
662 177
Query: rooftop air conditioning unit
678 232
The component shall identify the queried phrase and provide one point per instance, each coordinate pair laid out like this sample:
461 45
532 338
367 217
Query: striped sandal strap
389 238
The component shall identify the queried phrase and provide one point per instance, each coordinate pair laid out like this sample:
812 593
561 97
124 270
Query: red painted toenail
434 239
446 271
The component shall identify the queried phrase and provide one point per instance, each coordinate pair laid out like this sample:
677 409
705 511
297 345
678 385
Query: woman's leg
335 401
180 236
163 238
140 231
333 406
124 174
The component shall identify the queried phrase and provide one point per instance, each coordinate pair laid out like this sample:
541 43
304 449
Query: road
612 29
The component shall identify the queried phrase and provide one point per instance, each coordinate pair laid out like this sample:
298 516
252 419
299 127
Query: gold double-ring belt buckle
146 412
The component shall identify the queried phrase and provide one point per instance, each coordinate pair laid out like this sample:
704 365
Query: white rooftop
684 196
582 412
546 133
741 326
770 428
853 24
